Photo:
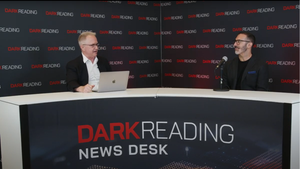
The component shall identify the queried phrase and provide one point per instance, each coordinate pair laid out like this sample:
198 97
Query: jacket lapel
84 73
100 67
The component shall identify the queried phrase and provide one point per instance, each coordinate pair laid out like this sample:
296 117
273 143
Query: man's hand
85 89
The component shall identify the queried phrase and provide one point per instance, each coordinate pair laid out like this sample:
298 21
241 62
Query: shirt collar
85 59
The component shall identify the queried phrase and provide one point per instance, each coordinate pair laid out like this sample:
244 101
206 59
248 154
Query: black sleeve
263 78
72 77
225 77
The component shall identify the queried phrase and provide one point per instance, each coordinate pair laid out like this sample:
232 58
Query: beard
240 49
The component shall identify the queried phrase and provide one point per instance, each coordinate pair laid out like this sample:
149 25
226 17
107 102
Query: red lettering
289 7
104 32
14 48
252 11
131 32
180 32
85 15
53 48
156 33
16 85
36 66
168 47
131 2
115 16
35 30
51 13
286 81
142 18
219 46
133 62
116 47
10 10
220 13
155 4
100 133
90 138
157 61
71 31
192 75
206 30
180 60
167 18
192 46
192 16
54 82
131 130
113 132
142 47
141 76
284 45
179 2
272 27
236 29
168 74
206 61
271 62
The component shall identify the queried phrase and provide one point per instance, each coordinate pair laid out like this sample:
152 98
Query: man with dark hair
245 72
83 73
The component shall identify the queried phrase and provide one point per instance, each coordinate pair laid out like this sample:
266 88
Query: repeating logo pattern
153 40
199 37
34 56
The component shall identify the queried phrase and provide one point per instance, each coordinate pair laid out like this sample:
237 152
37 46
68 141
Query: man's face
89 47
241 44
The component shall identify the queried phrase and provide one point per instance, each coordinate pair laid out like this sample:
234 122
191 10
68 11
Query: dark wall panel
197 34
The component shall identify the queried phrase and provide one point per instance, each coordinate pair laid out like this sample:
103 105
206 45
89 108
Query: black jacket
77 74
255 76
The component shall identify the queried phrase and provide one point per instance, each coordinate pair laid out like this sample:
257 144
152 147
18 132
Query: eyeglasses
239 41
93 45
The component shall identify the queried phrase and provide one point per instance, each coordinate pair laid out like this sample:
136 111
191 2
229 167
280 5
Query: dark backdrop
198 34
39 38
163 44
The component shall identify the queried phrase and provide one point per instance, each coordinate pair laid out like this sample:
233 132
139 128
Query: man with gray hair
83 72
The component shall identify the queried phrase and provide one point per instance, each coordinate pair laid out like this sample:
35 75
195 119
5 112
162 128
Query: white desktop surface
68 96
154 92
9 114
232 94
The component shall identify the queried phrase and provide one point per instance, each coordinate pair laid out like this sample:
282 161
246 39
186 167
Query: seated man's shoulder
75 61
232 60
260 60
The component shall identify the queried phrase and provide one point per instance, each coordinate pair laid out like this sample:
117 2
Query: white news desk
150 128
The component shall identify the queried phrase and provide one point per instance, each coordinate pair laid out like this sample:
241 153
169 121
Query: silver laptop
113 81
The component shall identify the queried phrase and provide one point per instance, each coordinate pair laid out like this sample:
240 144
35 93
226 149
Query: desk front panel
156 133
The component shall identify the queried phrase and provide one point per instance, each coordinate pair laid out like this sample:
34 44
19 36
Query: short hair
83 36
249 35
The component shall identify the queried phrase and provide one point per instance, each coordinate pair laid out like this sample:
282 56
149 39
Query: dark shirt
255 75
241 69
